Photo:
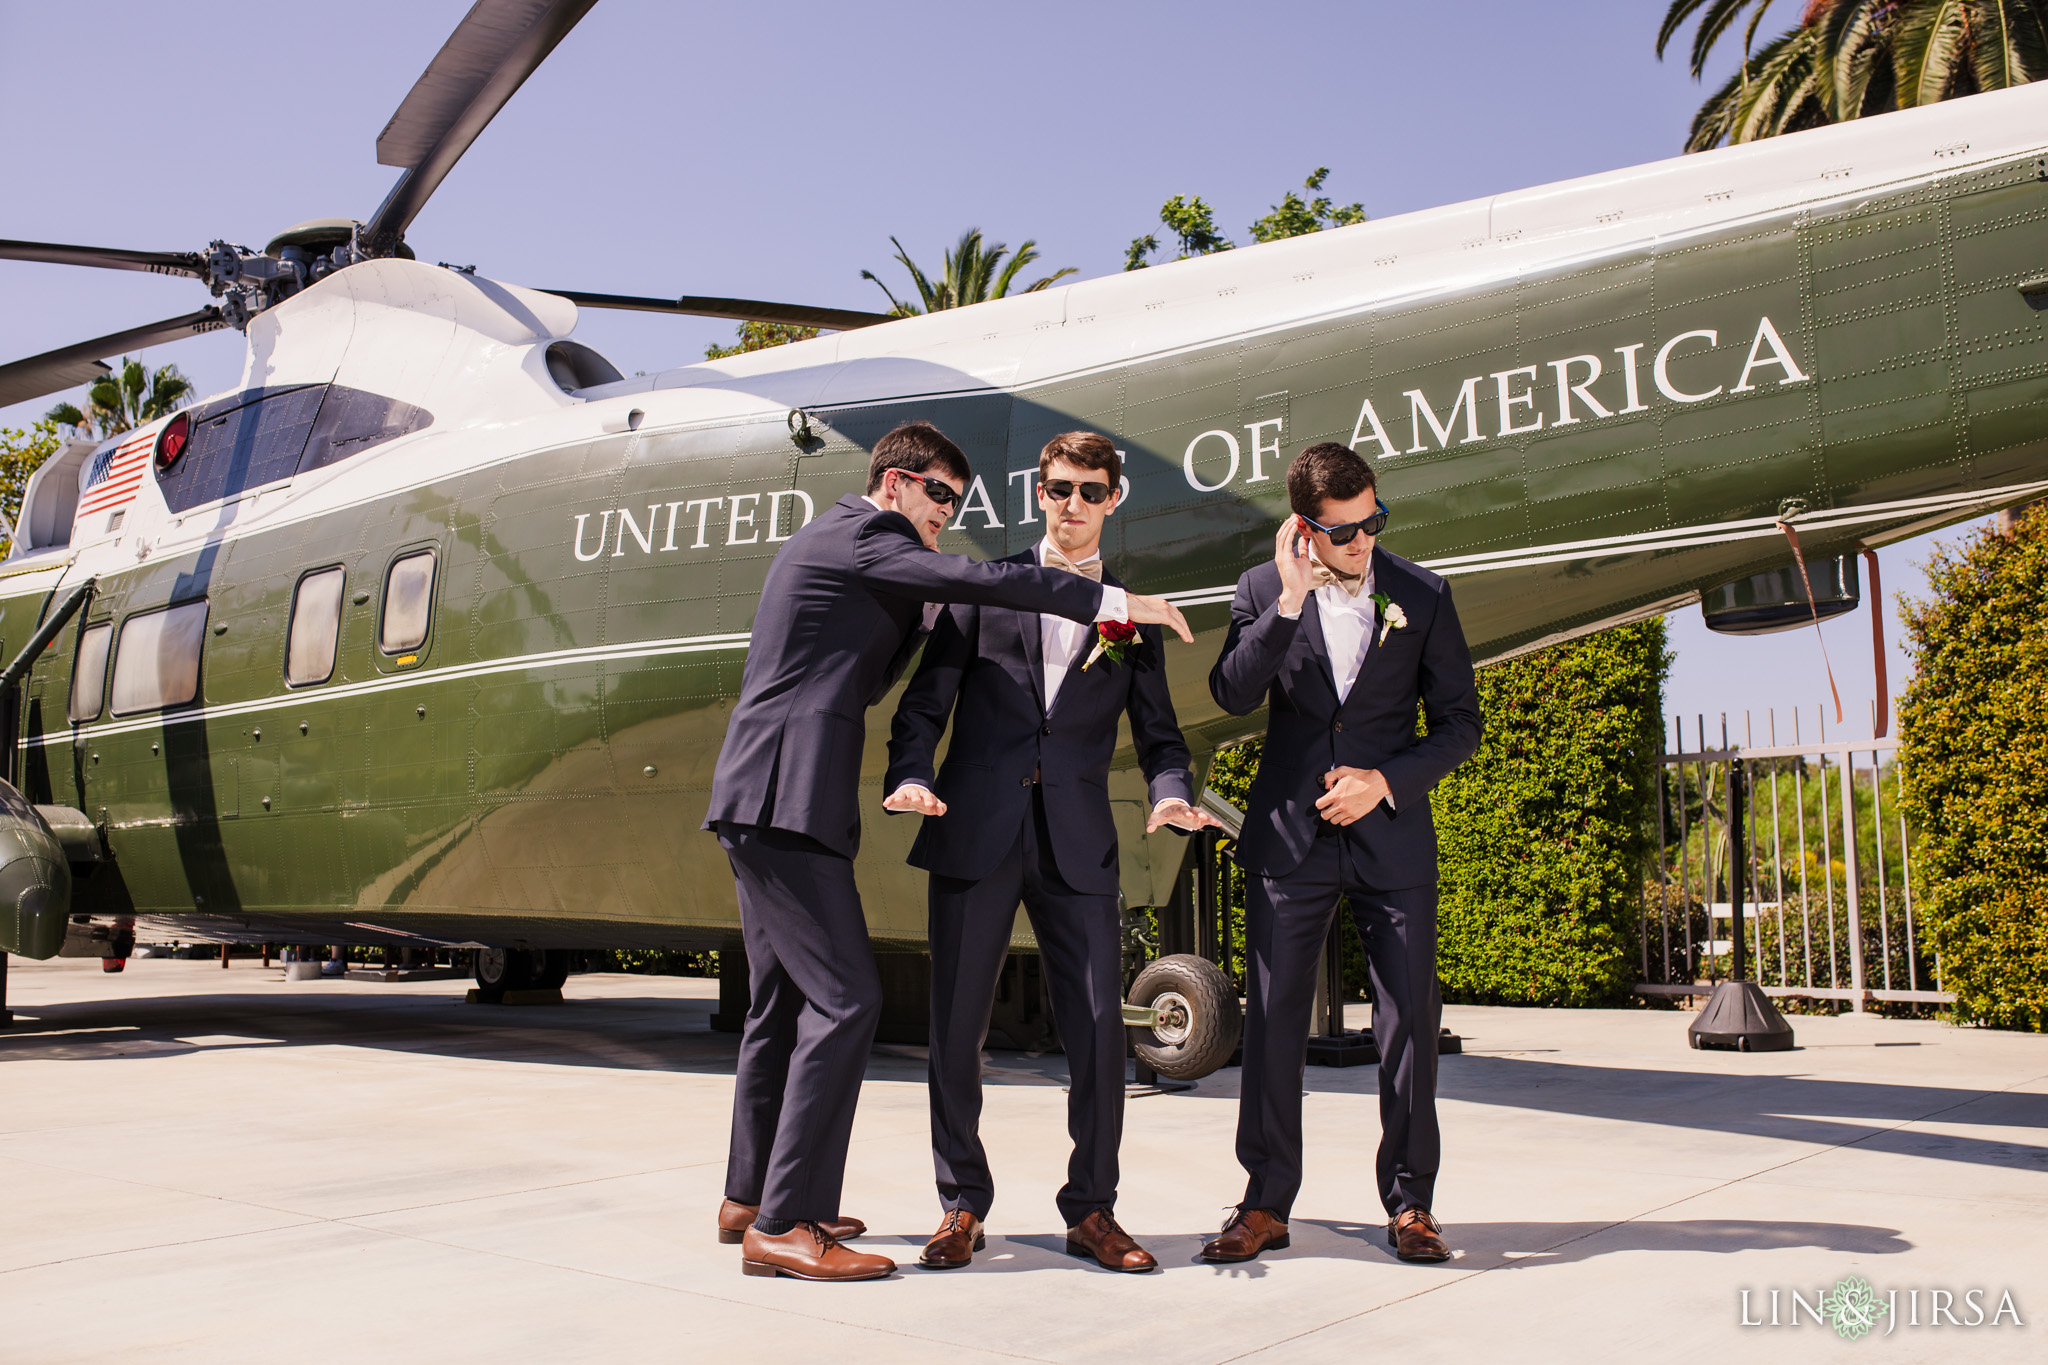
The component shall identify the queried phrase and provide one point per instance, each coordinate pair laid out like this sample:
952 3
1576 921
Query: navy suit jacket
1286 665
985 668
841 610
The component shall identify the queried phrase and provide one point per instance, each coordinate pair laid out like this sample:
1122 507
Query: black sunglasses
938 490
1348 532
1092 492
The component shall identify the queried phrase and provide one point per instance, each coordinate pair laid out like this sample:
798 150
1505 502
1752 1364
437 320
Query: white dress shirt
1060 640
1347 624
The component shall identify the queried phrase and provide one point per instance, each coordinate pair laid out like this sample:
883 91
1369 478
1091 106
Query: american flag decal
116 474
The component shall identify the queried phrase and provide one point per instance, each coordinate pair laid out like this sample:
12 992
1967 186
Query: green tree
1973 751
759 336
975 272
1193 223
21 454
1296 217
1849 59
127 398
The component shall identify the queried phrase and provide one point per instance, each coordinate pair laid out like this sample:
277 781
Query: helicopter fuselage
1586 403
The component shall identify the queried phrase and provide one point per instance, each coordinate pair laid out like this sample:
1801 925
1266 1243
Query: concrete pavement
198 1164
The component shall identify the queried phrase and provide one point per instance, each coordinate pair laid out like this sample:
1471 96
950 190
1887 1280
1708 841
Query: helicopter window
89 676
316 622
408 601
242 442
351 421
157 661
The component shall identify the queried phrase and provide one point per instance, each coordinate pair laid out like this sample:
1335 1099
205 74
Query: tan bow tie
1326 577
1055 560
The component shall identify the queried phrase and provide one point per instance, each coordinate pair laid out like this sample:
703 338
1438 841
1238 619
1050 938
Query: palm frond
1719 14
1052 279
1929 45
68 415
1996 58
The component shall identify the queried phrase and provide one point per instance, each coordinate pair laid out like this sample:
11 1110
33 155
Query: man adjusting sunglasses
1351 530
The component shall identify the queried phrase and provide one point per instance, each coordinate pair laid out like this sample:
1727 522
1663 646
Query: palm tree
129 397
1851 58
974 273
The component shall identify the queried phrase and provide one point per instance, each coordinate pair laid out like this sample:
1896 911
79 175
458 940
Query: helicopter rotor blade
53 371
189 263
498 44
742 310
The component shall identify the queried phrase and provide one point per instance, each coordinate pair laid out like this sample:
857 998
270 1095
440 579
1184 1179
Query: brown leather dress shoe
955 1243
1109 1246
1246 1233
734 1220
1416 1236
808 1252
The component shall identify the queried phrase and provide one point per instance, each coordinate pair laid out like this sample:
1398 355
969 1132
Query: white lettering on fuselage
1526 399
1520 406
745 523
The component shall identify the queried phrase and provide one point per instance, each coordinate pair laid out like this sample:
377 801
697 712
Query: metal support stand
1333 1044
735 991
1738 1014
6 1014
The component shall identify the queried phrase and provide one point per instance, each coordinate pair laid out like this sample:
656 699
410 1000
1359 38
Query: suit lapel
1031 637
1380 581
1075 664
1312 627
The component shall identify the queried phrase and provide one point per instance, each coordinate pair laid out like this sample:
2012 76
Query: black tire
1205 1022
511 969
554 973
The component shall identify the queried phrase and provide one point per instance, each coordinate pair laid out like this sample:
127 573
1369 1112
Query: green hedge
1973 732
1544 833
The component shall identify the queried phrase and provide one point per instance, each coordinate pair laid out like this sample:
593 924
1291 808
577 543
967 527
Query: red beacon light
172 440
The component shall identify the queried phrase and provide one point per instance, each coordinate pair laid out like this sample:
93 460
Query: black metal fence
1809 839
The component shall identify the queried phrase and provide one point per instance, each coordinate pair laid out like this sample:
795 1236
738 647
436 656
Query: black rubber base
1740 1017
1357 1048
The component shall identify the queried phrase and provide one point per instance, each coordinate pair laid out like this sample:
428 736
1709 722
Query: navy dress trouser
804 1049
1287 922
1081 943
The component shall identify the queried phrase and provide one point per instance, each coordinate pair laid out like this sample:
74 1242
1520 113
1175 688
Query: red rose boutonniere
1113 640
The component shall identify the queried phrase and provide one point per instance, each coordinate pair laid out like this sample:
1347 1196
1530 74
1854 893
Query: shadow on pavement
669 1033
1540 1244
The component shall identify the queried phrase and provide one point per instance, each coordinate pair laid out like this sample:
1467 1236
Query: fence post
1849 879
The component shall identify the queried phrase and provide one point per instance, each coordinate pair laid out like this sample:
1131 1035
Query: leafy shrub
1973 736
1544 833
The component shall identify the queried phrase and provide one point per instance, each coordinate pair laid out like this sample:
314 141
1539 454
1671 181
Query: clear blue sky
770 150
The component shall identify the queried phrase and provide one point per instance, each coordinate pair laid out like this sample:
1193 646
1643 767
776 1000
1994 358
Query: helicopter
426 632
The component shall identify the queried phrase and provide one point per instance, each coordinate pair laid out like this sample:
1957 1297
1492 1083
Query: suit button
1339 725
1023 781
1046 731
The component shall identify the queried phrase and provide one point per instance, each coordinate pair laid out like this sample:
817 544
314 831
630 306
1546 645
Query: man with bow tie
843 607
1020 811
1342 641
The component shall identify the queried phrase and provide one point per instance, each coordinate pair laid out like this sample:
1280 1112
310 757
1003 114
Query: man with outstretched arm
1020 811
1342 641
840 610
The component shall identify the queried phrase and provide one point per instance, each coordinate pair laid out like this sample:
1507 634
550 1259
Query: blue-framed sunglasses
1348 532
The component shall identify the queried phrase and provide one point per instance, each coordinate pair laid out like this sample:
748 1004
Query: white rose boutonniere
1392 618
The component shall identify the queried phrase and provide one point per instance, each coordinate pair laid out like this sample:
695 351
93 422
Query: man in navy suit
1342 641
840 612
1020 811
